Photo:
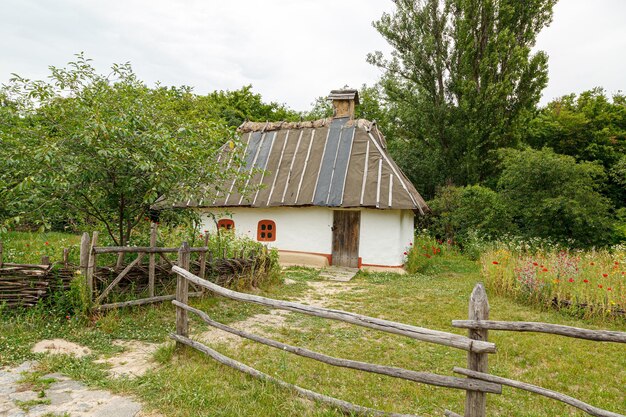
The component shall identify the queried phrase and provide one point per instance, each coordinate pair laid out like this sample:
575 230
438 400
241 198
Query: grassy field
190 384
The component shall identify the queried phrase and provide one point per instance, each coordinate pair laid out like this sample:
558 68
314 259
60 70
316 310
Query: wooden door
346 228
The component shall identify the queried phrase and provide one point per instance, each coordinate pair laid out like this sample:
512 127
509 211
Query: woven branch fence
24 285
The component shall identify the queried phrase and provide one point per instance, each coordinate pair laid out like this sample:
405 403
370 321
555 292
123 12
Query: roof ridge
249 126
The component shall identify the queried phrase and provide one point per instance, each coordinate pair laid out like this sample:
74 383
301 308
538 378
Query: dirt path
319 293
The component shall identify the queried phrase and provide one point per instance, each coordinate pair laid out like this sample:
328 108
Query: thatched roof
329 162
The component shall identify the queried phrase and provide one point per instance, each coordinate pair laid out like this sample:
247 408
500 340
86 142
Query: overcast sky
290 51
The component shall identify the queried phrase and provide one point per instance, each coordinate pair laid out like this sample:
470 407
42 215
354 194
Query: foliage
553 196
462 81
589 127
236 106
108 147
458 213
589 283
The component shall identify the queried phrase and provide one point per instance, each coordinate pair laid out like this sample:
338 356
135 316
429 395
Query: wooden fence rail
527 326
418 333
476 344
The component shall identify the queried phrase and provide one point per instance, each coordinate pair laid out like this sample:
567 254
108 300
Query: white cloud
290 51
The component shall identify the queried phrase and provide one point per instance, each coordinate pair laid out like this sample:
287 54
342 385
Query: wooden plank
422 377
141 249
143 301
344 406
84 253
476 402
528 326
182 293
418 333
119 278
203 256
589 409
91 265
152 259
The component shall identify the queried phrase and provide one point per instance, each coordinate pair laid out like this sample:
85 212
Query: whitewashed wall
385 234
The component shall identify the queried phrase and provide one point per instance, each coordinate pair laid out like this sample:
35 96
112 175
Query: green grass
190 384
29 247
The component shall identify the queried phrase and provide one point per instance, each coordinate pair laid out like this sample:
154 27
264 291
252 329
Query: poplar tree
462 81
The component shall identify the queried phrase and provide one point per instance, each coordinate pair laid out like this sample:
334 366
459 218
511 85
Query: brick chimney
344 102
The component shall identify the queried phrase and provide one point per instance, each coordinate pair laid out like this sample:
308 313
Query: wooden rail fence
477 382
158 265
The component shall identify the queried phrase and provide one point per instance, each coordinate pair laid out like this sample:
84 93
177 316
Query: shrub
552 196
462 213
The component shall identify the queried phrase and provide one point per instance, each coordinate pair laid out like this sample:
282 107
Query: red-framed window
225 224
266 231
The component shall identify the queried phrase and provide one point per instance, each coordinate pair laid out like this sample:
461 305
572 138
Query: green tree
553 196
236 106
108 147
461 81
589 127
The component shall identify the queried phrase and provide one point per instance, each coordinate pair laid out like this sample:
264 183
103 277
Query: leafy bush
462 213
552 196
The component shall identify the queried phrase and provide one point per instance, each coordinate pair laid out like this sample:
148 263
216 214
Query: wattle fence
477 382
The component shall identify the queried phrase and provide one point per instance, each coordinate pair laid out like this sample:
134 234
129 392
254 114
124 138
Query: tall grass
587 282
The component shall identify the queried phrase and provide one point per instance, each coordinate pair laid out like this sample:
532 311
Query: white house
327 192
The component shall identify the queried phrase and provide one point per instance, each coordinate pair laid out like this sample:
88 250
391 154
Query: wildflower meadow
589 283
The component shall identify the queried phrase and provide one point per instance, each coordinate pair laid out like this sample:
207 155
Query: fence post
182 293
84 254
203 256
152 259
91 266
475 401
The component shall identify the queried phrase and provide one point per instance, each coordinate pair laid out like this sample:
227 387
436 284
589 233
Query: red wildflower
605 275
535 263
545 269
571 280
541 266
427 255
46 243
616 263
405 253
586 281
609 289
410 243
599 285
592 263
495 262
